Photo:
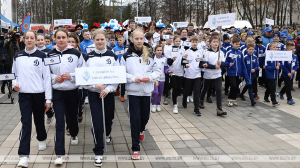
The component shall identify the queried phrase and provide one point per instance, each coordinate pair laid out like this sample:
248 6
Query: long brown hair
74 36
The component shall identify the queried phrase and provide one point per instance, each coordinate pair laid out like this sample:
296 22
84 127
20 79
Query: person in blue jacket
251 64
276 37
288 70
119 50
260 51
234 65
53 42
271 69
87 40
267 37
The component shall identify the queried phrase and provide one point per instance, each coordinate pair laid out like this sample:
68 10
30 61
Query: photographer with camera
12 47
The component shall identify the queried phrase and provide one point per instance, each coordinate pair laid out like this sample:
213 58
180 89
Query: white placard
180 24
100 75
90 49
278 55
61 22
269 21
142 19
241 85
52 60
187 43
119 52
9 76
260 73
175 49
166 36
221 20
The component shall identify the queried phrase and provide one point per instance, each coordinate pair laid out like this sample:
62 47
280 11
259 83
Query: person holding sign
212 73
288 71
141 71
193 75
101 57
271 73
65 91
119 50
33 82
174 60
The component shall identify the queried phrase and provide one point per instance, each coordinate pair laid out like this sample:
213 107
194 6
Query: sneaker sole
134 158
196 114
74 143
274 105
98 164
58 163
22 165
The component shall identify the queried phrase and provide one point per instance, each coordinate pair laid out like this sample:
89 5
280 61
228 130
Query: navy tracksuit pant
31 103
139 113
65 102
97 118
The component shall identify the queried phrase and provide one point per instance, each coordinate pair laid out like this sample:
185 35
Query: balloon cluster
113 24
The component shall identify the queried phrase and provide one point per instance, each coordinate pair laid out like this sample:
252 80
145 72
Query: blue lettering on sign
6 76
51 60
86 75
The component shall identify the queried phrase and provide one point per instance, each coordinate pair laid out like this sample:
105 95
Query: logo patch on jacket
108 61
36 62
70 59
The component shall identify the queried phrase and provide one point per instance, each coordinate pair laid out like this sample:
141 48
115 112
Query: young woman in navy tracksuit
101 57
141 71
40 44
65 91
33 82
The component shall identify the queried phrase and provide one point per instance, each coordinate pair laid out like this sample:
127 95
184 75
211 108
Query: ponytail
146 53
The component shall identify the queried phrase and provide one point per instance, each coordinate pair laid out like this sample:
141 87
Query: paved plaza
260 130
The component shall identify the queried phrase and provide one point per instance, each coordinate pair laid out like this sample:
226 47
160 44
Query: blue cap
285 32
236 31
268 29
277 33
249 32
290 38
298 33
282 35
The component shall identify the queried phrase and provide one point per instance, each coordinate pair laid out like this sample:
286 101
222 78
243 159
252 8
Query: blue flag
26 23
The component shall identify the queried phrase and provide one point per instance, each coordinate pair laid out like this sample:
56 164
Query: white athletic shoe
187 99
42 145
98 161
108 139
158 109
23 162
229 103
86 101
59 161
74 140
191 99
175 109
234 103
153 108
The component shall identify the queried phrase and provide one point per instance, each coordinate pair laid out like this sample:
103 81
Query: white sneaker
229 103
86 101
59 161
74 140
98 161
23 162
153 108
42 145
234 103
108 139
158 108
175 109
191 99
188 99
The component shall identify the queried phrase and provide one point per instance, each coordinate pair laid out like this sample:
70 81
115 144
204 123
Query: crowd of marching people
161 64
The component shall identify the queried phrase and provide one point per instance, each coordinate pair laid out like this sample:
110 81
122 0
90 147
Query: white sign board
142 19
221 20
62 22
9 76
100 75
278 55
166 36
52 60
269 21
180 24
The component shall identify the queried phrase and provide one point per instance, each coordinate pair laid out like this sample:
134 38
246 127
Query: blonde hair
98 31
145 50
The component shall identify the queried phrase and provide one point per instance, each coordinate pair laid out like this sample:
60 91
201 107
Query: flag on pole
26 23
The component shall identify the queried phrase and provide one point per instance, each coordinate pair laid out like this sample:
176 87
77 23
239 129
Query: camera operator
21 42
3 61
12 47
